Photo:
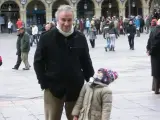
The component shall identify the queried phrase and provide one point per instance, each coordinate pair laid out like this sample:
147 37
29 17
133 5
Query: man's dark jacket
62 63
153 47
131 29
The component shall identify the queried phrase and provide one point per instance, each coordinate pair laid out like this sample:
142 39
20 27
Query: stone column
75 12
97 12
145 11
122 11
23 16
49 14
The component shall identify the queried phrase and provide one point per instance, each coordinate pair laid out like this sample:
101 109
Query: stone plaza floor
22 99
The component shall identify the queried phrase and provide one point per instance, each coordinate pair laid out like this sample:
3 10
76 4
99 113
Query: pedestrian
87 25
18 53
153 50
92 35
35 34
62 63
137 24
106 36
25 47
10 25
113 35
95 99
1 61
131 31
147 24
19 23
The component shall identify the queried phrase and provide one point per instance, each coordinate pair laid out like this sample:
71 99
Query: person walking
34 33
106 36
10 25
62 63
92 35
131 31
18 53
153 50
113 34
19 23
25 47
137 24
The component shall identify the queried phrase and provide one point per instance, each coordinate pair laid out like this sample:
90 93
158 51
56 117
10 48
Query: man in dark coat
62 63
18 53
153 49
131 31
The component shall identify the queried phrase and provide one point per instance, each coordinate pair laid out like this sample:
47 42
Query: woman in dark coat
153 49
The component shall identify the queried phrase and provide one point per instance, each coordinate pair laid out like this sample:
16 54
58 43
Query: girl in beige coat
95 99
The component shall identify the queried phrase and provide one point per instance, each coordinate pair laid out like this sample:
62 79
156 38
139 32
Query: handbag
0 60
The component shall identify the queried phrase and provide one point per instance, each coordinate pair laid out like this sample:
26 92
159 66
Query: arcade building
40 11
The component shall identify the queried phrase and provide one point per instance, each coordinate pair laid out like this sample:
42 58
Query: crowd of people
62 57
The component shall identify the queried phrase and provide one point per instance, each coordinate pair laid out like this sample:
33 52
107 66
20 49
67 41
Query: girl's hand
75 118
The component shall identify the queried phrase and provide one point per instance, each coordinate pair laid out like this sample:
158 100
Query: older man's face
65 20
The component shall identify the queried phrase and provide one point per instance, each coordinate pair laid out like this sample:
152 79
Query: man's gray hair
66 8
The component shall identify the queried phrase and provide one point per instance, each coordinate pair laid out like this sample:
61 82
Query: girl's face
100 75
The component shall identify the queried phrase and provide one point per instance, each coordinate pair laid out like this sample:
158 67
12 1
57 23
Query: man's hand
148 53
75 118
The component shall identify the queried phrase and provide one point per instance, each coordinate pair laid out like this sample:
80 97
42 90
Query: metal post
129 7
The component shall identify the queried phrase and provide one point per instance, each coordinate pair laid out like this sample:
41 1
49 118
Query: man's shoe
15 68
25 68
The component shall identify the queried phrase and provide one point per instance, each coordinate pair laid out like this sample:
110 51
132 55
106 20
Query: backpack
0 60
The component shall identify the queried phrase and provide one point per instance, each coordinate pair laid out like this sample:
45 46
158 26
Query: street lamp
85 6
133 4
9 8
35 7
110 5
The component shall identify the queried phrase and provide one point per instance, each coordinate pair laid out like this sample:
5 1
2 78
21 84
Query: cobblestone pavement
22 99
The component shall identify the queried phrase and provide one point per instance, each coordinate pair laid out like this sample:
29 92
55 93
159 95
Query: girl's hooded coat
94 102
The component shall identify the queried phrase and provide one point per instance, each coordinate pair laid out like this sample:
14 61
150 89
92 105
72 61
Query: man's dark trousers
18 63
131 41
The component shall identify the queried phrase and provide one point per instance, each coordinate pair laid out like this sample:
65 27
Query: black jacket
153 47
131 29
62 63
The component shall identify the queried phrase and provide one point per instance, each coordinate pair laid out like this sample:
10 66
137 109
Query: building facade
41 11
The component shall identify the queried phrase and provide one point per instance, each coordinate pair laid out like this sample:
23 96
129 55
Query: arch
142 2
93 1
36 16
12 14
87 12
137 10
17 2
56 4
29 1
68 1
113 11
117 1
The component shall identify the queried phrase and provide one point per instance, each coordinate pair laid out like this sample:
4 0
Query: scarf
66 34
